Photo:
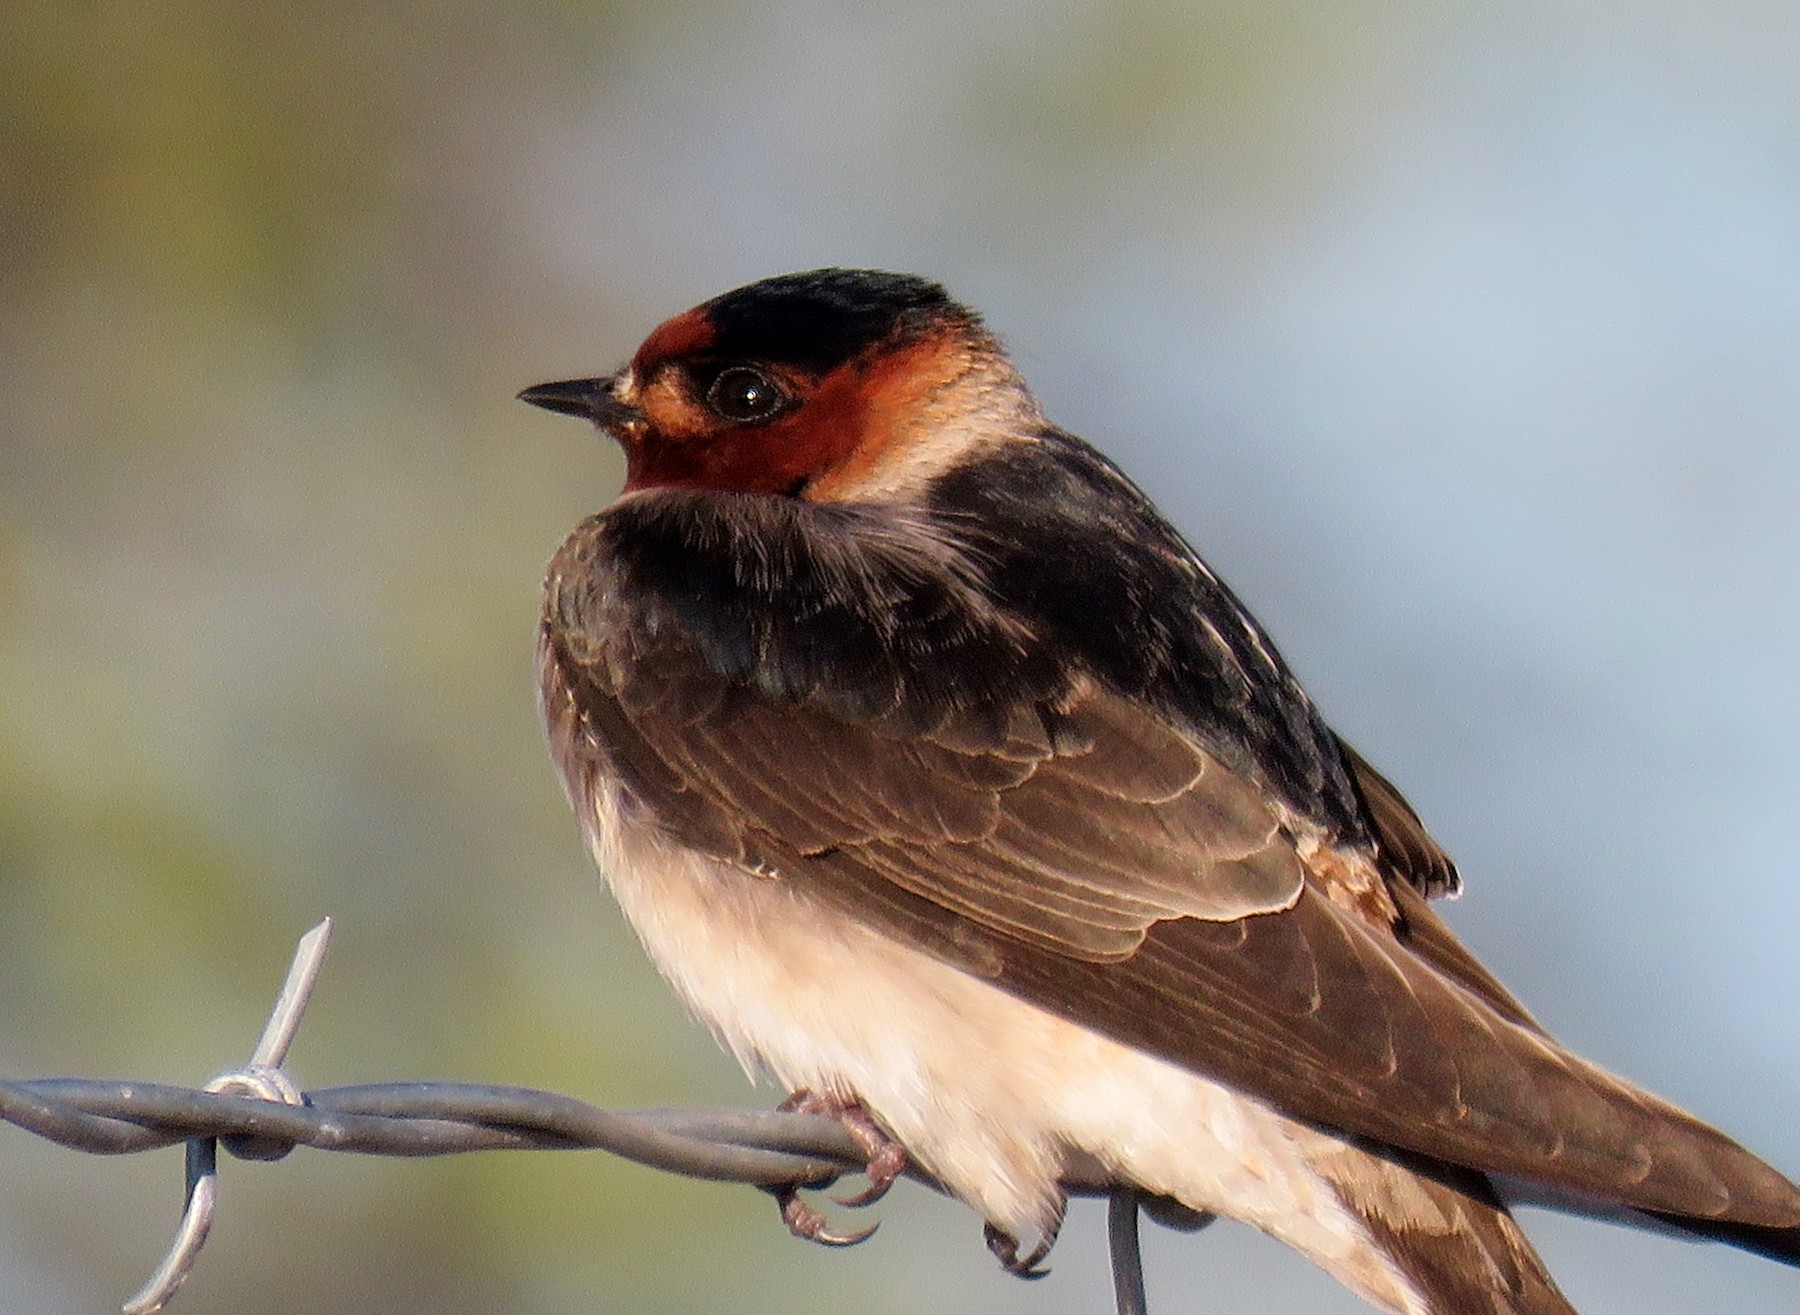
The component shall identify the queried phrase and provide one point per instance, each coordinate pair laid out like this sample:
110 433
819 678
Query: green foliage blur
270 534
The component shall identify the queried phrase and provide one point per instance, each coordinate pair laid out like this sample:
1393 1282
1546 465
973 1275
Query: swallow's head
829 385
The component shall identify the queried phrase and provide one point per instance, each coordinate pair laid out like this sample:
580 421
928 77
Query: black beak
591 399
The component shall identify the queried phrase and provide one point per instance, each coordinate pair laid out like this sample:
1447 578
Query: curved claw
887 1161
1006 1249
829 1239
808 1224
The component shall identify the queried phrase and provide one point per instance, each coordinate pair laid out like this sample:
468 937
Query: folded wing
1085 854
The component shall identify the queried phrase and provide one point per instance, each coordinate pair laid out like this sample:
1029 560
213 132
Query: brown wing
1074 829
1091 859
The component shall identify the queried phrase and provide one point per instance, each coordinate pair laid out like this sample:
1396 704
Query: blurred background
1463 338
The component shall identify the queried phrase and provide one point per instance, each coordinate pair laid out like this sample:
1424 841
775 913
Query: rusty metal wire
258 1113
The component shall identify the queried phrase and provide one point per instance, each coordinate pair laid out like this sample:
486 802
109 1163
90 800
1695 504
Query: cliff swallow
957 795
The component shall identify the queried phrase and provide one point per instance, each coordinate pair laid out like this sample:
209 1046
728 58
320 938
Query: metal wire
1122 1246
258 1113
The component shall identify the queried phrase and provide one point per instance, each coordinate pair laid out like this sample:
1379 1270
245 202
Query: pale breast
999 1100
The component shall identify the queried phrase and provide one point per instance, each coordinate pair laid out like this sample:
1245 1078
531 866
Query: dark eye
742 395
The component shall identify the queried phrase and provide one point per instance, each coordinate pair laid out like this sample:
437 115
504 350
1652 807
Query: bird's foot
886 1157
886 1162
1006 1247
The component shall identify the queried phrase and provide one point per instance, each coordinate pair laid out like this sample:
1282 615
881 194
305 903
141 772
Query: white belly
996 1098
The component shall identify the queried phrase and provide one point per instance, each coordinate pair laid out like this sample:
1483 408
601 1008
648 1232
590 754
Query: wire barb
258 1112
296 993
261 1079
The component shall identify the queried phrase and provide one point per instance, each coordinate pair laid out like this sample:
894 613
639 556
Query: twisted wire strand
258 1113
760 1147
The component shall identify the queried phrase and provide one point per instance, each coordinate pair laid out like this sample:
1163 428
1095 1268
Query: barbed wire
258 1113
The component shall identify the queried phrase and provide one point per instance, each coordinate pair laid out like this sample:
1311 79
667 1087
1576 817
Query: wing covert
1073 826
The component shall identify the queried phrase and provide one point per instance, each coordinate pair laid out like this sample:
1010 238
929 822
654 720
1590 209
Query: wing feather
1083 851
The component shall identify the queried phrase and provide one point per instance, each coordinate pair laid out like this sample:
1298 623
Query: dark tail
1781 1244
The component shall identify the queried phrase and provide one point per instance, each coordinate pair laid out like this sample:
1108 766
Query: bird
956 794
